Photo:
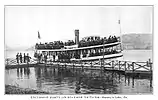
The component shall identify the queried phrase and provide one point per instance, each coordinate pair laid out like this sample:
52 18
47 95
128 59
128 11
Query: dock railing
12 61
127 66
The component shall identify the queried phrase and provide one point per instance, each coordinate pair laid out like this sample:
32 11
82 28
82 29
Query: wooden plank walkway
127 67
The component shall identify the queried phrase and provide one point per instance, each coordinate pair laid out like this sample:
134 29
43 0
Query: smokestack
76 36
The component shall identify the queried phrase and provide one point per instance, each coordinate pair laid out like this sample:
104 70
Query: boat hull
110 56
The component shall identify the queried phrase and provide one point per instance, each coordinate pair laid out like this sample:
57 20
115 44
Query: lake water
77 81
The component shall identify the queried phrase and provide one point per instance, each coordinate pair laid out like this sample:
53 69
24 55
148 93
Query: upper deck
83 48
85 43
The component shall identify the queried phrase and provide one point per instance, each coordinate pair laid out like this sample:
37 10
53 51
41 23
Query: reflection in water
86 81
79 81
23 73
132 82
38 74
27 72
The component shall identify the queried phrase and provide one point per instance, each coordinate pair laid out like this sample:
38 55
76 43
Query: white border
79 2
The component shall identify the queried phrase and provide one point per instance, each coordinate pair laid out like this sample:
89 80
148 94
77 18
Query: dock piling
82 65
73 65
7 61
119 65
133 66
91 64
125 65
149 64
112 64
65 65
100 63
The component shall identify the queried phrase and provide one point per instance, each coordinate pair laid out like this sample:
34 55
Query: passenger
35 55
53 57
20 58
42 57
17 58
45 58
39 57
28 58
24 58
109 39
115 39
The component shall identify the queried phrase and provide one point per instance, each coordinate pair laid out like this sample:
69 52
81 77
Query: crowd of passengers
83 43
60 56
22 59
54 45
97 41
67 56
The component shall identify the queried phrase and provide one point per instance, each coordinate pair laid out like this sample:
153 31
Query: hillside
137 41
31 48
7 48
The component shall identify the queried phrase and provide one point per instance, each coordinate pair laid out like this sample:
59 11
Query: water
69 81
137 55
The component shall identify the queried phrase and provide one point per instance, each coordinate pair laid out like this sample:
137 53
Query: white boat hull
110 56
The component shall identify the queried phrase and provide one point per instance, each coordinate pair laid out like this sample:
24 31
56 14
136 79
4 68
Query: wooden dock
127 67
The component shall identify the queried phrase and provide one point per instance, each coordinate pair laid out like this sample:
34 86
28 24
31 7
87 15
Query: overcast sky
22 23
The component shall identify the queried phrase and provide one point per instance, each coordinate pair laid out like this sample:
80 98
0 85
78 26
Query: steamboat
91 48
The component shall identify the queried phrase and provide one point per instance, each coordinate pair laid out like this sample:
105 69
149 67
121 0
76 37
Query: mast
119 22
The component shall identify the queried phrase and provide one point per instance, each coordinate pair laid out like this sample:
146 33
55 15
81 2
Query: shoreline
9 89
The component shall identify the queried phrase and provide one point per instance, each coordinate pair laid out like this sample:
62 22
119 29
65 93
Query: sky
22 23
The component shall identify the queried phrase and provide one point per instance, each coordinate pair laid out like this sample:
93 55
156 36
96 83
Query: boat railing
81 48
87 43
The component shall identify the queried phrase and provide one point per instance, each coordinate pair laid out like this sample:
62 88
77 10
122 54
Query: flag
118 21
39 37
